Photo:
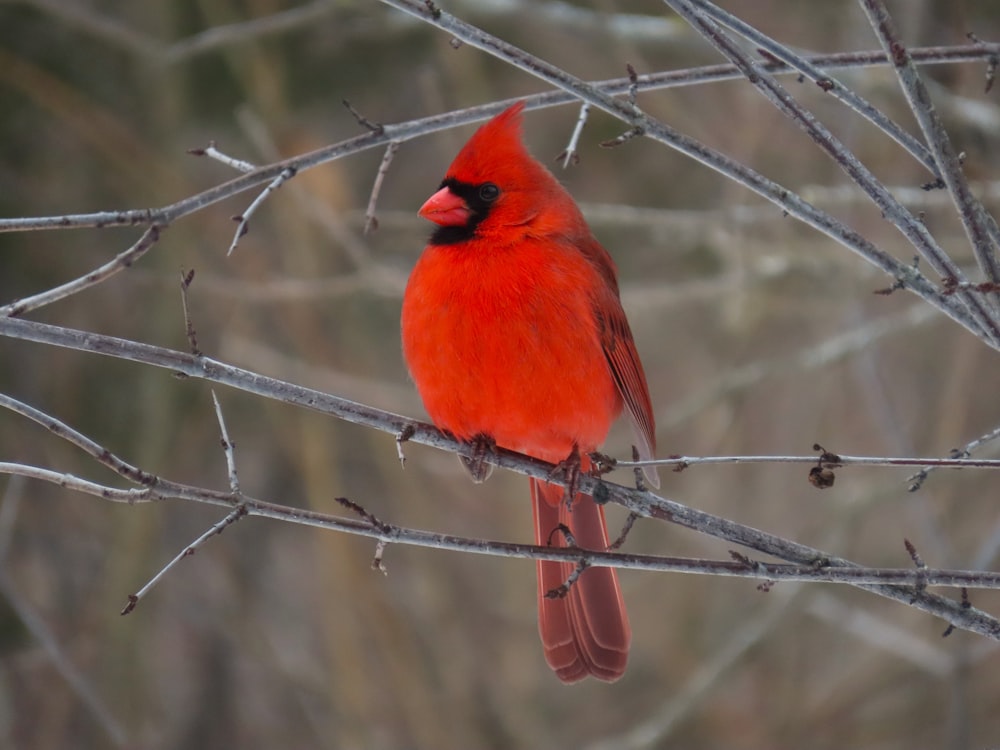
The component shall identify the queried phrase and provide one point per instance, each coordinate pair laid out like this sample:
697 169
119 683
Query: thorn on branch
375 127
679 467
825 84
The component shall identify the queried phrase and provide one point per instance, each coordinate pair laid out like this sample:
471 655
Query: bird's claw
569 470
482 446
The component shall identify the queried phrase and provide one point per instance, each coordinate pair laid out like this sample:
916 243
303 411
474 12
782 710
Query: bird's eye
489 192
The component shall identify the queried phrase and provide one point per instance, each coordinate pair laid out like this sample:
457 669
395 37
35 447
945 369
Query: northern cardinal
514 334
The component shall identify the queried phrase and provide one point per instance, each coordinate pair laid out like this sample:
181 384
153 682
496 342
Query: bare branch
915 231
228 446
212 152
186 278
981 229
120 262
133 599
642 503
827 571
776 51
975 318
681 463
371 223
243 220
917 480
571 155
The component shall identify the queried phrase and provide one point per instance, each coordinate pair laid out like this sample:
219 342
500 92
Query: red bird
514 334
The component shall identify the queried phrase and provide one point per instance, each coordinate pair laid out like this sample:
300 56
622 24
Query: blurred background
759 336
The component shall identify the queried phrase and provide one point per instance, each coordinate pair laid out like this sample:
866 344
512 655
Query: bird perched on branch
515 336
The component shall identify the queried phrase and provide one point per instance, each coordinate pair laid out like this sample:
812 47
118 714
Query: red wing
626 369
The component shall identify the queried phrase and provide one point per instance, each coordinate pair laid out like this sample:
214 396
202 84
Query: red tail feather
586 632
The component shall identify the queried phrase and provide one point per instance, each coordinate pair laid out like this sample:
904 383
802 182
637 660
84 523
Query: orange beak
445 208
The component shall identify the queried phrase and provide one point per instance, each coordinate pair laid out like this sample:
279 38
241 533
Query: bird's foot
569 470
482 446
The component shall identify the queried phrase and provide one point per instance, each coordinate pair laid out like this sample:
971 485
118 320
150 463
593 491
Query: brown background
281 636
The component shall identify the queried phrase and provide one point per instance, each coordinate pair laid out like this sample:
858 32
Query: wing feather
623 359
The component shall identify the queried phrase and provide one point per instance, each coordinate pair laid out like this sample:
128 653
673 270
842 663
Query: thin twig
120 262
643 503
228 446
776 51
973 318
98 452
416 128
571 155
186 278
235 515
243 220
914 230
917 480
363 121
685 462
212 152
833 572
371 222
984 236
